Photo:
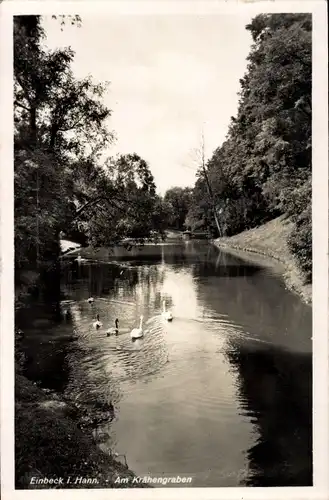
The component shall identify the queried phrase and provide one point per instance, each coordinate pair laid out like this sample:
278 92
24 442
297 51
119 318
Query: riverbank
50 445
270 241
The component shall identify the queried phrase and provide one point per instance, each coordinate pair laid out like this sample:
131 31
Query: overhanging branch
94 202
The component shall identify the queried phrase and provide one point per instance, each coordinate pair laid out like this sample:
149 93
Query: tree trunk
33 124
53 134
51 277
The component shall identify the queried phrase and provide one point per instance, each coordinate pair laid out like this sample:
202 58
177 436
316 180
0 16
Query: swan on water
167 315
114 330
97 324
136 333
91 300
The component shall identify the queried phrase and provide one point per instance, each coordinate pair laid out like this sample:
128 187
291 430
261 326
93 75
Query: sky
171 77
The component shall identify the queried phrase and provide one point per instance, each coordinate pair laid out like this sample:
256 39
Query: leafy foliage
178 200
61 132
53 108
124 204
299 208
263 169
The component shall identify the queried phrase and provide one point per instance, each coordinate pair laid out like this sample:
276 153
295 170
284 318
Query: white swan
97 324
91 300
113 330
167 315
136 333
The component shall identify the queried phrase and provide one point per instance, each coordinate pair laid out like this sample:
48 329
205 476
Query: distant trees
61 131
124 204
178 201
263 169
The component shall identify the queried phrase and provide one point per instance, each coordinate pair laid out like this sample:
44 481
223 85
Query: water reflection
223 393
275 391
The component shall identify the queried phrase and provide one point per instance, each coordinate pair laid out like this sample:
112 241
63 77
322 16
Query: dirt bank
49 444
270 241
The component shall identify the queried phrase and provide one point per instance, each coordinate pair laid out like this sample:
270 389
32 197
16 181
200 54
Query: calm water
222 394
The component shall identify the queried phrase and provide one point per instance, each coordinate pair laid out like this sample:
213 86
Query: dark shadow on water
275 391
45 349
49 369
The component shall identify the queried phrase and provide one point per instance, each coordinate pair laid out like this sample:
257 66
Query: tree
125 203
179 200
57 111
263 168
54 116
61 133
200 212
162 216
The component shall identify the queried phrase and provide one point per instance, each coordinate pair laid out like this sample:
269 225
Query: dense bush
300 241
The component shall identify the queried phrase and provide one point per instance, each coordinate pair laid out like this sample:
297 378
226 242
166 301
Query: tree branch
74 125
94 202
27 97
22 106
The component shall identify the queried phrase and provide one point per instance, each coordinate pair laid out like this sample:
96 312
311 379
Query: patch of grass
272 240
49 444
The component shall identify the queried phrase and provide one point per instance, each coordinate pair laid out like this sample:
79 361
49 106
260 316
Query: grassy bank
49 444
270 240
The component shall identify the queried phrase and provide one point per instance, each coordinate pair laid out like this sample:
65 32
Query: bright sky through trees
170 77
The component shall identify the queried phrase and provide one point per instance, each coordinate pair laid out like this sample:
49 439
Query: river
222 394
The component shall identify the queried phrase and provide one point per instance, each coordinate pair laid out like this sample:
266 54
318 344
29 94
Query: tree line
263 169
62 183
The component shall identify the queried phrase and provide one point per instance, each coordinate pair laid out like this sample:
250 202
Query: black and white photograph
163 254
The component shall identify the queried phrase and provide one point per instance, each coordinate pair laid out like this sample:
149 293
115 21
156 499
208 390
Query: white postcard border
318 8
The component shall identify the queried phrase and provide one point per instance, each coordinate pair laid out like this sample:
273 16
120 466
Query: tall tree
61 132
263 168
179 200
124 203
